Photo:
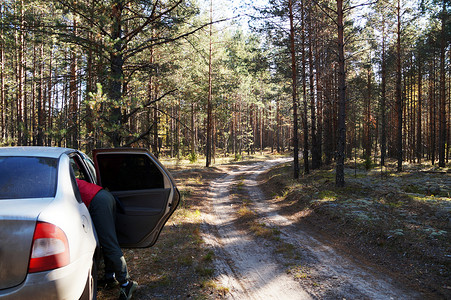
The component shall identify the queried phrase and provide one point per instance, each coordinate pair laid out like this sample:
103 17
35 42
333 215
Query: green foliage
184 193
204 271
208 257
192 157
368 163
328 195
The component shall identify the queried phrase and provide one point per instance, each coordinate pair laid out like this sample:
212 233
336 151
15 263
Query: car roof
54 152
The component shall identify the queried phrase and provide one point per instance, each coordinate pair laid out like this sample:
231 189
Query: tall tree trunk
178 131
319 79
328 121
116 74
262 125
33 93
193 130
315 154
368 118
156 141
294 93
49 123
432 113
419 104
73 95
449 112
90 130
442 128
21 126
40 102
278 127
3 104
304 93
209 120
340 178
399 106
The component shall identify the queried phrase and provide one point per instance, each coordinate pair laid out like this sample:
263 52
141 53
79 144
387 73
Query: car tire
90 291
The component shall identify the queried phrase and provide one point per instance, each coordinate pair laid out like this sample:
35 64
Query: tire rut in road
245 266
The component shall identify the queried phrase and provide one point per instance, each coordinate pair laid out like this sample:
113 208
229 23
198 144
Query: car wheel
90 291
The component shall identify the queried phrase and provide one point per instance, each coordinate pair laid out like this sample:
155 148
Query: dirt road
250 267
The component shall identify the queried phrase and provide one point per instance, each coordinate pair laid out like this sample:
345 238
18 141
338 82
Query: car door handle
84 223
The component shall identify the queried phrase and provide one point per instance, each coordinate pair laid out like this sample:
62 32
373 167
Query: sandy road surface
250 268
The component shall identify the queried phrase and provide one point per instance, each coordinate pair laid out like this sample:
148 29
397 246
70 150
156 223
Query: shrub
368 163
192 157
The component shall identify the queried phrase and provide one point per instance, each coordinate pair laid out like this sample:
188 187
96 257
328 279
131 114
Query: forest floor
384 235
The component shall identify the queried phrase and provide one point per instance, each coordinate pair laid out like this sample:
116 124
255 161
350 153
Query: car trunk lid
17 224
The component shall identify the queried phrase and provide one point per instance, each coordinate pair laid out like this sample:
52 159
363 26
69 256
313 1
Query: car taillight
50 248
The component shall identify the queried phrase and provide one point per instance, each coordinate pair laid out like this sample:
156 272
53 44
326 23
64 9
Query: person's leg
103 210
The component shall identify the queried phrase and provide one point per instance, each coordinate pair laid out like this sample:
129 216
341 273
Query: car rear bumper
63 283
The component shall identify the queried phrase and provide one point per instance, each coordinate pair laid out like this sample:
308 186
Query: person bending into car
102 208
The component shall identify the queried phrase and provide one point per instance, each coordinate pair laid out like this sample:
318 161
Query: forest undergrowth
397 222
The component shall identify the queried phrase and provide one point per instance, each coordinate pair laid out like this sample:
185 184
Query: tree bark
442 127
294 94
368 117
304 93
399 106
419 104
21 124
3 104
40 102
73 96
116 76
315 155
340 178
193 130
209 120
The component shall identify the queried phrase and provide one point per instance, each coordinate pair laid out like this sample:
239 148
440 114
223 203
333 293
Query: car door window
77 167
126 172
91 167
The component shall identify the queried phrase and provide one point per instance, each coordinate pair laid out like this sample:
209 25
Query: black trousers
103 214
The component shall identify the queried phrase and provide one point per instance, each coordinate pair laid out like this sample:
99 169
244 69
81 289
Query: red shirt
87 191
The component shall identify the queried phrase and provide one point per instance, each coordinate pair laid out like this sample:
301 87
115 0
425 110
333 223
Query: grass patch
299 272
287 250
186 260
204 271
240 185
327 195
162 280
211 284
246 214
208 257
260 229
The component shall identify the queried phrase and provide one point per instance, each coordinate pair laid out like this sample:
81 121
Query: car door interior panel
143 202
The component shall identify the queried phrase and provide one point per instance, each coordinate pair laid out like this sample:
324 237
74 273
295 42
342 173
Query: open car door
145 190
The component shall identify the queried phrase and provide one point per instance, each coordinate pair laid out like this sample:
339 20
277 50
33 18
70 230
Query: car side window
77 167
75 185
125 172
91 167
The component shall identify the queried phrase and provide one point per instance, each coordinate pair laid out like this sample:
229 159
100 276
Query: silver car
48 246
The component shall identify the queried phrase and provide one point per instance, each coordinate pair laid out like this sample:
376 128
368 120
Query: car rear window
27 177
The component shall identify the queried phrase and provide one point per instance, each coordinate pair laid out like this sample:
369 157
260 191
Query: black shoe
127 291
